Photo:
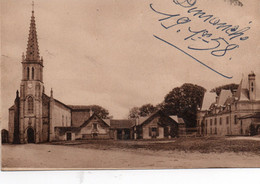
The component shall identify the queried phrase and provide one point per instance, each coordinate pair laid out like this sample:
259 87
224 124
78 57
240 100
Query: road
46 156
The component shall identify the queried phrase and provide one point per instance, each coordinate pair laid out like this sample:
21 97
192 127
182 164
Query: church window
28 73
235 119
30 104
32 73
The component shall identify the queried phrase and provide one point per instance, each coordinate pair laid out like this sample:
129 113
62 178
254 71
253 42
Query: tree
232 87
184 102
133 113
142 111
146 110
100 111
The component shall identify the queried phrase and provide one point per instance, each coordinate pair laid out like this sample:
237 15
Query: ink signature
203 40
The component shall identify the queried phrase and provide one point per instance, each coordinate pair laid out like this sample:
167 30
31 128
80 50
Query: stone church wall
61 116
11 125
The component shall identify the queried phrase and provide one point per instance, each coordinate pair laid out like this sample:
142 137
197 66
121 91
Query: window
210 130
32 73
210 122
235 119
227 120
215 122
28 73
216 130
62 120
220 121
66 121
95 126
30 104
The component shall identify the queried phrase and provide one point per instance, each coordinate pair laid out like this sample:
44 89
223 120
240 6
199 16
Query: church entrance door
30 135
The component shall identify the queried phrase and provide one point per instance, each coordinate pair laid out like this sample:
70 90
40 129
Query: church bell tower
31 89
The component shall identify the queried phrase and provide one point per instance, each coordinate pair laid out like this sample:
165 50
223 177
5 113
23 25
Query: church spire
32 52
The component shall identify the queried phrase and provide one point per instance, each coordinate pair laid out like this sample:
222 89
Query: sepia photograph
169 84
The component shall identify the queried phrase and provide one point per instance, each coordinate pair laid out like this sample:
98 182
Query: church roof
12 107
32 52
80 107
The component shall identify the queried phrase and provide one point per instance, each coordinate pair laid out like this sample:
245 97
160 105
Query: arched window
32 73
30 104
28 73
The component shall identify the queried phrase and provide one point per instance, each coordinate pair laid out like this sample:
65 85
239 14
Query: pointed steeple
32 52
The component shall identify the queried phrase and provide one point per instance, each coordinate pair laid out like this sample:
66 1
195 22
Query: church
36 117
34 114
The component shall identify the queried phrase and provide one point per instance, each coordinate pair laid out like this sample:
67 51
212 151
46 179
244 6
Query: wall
153 123
11 125
102 131
61 115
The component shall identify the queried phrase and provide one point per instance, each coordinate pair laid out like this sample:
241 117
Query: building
234 113
4 136
159 126
36 117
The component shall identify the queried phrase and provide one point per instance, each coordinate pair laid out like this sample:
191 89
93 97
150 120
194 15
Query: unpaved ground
43 156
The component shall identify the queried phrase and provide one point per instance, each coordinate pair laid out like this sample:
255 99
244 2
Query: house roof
155 114
242 91
207 100
122 123
223 96
254 115
177 119
91 118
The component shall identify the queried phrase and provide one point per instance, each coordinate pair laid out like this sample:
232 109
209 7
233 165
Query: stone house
232 113
159 126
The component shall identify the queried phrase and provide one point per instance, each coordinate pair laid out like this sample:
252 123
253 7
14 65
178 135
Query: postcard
130 84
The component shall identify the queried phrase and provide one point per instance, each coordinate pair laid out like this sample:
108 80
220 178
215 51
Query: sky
105 52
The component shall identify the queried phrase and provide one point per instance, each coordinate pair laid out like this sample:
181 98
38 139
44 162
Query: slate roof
223 96
254 115
123 123
177 119
80 107
92 117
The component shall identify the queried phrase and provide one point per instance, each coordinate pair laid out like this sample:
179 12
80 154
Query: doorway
68 136
30 135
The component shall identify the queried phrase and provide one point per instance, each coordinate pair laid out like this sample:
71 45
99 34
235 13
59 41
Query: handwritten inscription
203 40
